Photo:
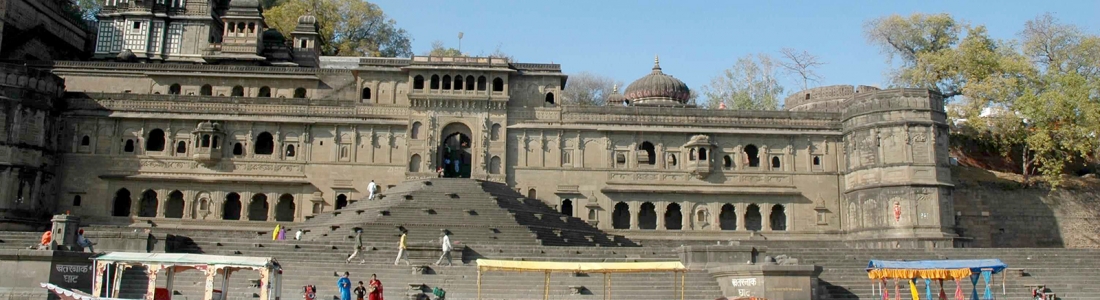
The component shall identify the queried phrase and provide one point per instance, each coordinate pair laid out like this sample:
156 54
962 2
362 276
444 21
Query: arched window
341 201
257 208
414 132
155 141
284 209
458 82
727 218
481 83
817 160
206 90
365 95
205 141
691 154
752 218
620 217
300 93
290 151
674 219
418 82
238 149
498 84
414 163
434 84
265 92
550 98
646 154
173 208
494 132
702 153
775 163
647 216
778 218
231 25
752 156
265 144
469 83
672 160
85 141
121 207
446 82
215 142
181 147
147 207
251 28
567 207
494 165
129 147
174 89
76 200
231 208
532 194
238 91
727 162
303 43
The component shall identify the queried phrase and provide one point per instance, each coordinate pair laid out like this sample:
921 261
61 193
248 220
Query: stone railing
537 67
231 105
683 177
696 116
171 67
388 62
460 61
30 79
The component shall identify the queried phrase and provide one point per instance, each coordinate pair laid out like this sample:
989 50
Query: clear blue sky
696 40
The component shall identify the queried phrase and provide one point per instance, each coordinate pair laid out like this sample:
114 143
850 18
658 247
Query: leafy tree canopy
346 27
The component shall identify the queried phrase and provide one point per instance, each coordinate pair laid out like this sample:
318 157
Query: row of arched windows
156 140
457 83
231 207
240 28
647 156
727 218
237 91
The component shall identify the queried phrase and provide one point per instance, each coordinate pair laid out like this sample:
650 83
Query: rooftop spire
615 88
656 62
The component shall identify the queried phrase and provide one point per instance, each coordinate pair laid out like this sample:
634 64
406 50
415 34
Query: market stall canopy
184 259
546 266
932 269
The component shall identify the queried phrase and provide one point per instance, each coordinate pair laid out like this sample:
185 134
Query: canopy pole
547 290
606 289
478 283
1004 279
683 278
608 286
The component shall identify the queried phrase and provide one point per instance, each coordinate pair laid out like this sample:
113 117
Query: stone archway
284 209
121 207
673 217
455 153
752 218
620 217
647 216
201 208
231 208
173 208
257 208
147 207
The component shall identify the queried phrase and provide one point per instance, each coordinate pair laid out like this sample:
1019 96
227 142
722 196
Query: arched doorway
231 208
674 219
778 218
148 206
567 207
341 201
257 209
647 216
727 219
455 152
284 210
620 218
122 203
174 207
752 218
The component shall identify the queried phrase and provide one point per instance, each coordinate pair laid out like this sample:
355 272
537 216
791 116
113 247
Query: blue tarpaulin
975 265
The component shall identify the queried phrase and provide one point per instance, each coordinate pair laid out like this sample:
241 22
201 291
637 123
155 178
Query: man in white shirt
372 188
298 235
447 247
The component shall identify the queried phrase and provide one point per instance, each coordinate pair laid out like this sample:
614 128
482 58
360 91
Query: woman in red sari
375 288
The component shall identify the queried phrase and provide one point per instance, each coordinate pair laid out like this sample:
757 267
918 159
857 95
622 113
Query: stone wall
40 30
27 144
832 98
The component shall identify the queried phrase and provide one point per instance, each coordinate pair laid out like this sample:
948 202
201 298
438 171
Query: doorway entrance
455 156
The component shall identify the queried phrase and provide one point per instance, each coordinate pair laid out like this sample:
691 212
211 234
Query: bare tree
586 88
750 84
801 65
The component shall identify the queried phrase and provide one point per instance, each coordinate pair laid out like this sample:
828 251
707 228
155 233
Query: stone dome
615 98
245 3
657 89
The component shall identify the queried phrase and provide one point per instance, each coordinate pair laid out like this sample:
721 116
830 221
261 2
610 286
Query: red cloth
377 293
46 237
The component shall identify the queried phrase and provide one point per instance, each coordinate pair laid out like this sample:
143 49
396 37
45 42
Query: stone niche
767 281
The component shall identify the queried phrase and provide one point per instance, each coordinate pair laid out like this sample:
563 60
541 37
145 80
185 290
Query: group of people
279 233
403 248
373 290
45 243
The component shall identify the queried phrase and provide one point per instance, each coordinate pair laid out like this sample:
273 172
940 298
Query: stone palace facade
195 113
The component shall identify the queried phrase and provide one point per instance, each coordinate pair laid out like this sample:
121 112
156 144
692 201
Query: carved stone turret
699 155
207 138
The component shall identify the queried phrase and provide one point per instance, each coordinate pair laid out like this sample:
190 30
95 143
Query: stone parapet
703 257
767 281
692 116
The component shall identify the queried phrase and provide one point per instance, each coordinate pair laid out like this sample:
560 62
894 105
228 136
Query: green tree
750 84
586 88
1041 96
346 27
439 49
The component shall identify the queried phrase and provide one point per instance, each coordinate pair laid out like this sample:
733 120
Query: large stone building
195 111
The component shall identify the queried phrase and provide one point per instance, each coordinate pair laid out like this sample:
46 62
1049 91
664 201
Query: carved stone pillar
660 210
5 190
765 217
246 202
740 210
634 210
162 199
686 215
272 201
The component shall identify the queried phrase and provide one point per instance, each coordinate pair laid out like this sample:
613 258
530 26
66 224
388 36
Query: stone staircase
475 212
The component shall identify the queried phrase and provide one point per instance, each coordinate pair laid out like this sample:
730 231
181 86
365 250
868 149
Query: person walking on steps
345 286
298 235
402 249
372 188
358 247
447 247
